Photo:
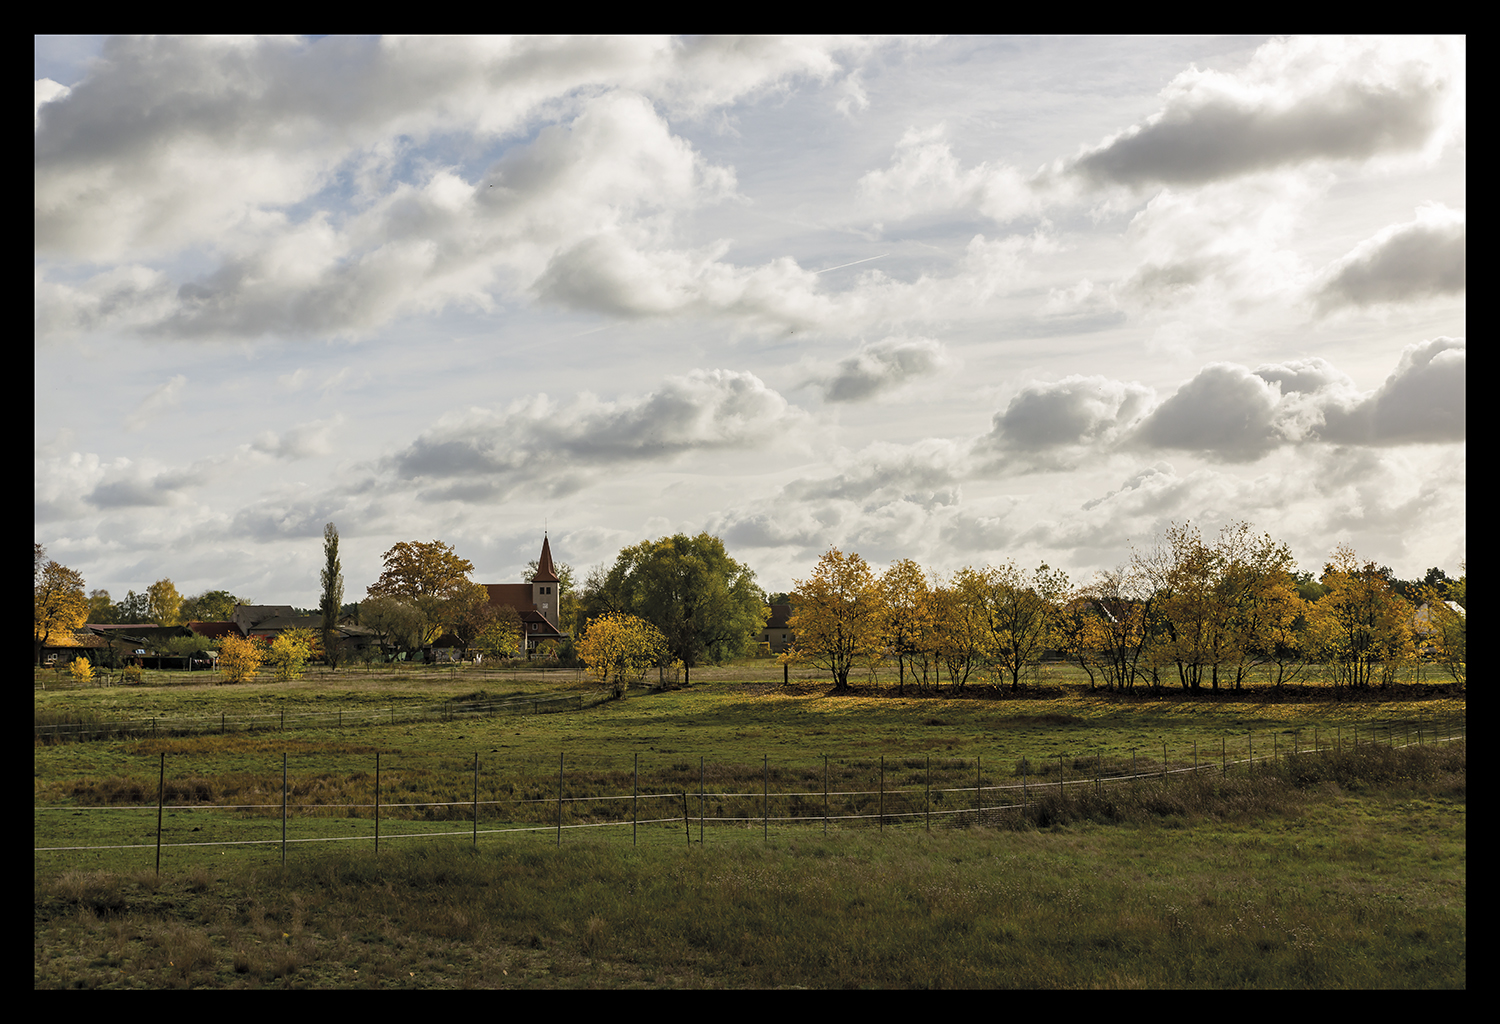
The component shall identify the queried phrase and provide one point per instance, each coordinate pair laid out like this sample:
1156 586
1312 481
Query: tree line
1187 613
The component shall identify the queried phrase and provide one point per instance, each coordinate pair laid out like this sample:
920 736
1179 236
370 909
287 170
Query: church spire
546 572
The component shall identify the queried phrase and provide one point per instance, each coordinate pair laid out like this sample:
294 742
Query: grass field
1343 870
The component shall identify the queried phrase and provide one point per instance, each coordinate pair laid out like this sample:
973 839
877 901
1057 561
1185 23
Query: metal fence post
283 808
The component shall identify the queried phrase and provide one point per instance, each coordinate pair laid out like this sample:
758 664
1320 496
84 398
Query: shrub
619 648
240 659
81 670
290 652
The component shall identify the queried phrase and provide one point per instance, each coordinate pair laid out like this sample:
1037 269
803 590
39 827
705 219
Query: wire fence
89 729
672 801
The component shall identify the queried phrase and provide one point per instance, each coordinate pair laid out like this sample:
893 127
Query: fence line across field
338 718
977 811
159 725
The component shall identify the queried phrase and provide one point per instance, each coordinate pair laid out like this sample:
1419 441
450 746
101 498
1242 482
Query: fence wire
946 805
226 723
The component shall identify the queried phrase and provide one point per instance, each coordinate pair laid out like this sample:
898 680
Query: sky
959 300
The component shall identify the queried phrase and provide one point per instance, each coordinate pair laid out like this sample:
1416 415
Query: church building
536 602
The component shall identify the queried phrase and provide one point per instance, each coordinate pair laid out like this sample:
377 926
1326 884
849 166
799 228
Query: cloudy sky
959 300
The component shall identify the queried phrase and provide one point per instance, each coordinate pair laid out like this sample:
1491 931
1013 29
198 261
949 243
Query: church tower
544 586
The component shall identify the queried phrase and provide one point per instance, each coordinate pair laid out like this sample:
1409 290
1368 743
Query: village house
776 634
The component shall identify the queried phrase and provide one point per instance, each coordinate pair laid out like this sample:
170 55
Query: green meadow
690 846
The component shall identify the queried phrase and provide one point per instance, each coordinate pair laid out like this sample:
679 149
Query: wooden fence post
161 789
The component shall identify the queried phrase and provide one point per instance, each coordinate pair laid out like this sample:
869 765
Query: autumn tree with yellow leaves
163 603
1108 625
1361 626
1208 612
59 602
240 658
906 616
618 649
1215 607
836 616
290 652
1017 614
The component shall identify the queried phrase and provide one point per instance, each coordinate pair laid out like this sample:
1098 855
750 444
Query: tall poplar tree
333 591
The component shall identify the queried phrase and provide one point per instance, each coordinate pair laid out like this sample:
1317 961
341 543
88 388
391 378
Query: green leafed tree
210 606
501 635
133 608
395 623
705 604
